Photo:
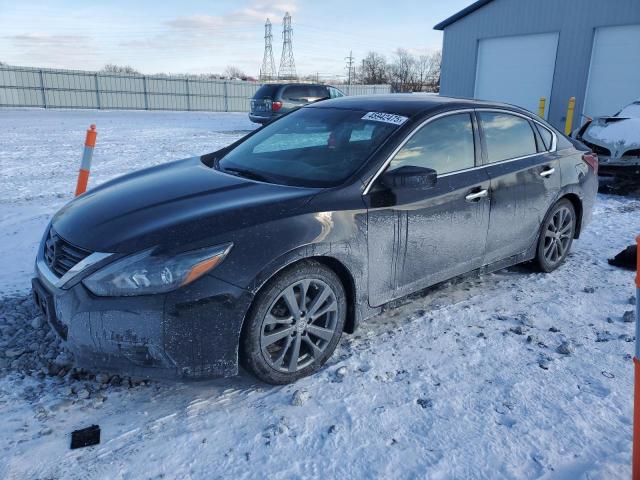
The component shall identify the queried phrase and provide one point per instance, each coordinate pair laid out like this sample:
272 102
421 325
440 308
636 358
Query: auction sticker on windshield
385 117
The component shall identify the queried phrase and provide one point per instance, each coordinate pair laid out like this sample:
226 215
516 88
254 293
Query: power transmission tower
268 69
350 68
287 68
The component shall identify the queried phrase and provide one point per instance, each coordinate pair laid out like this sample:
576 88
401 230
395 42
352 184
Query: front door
525 180
418 237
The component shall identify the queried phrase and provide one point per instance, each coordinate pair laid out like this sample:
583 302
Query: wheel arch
334 264
577 206
348 284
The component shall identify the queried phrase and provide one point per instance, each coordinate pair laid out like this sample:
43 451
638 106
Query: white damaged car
616 140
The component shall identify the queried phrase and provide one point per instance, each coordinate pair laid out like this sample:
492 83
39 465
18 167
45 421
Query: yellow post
569 123
541 107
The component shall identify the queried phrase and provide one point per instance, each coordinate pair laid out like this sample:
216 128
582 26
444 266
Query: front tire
294 324
556 236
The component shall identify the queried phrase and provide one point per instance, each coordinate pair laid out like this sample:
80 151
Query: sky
196 36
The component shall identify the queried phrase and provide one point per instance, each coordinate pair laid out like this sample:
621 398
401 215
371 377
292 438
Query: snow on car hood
630 111
620 132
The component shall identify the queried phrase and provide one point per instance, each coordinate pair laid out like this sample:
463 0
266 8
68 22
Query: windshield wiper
243 172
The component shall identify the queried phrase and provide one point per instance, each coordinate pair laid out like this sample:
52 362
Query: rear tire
556 236
294 324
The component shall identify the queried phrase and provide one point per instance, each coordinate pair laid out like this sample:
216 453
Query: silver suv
272 100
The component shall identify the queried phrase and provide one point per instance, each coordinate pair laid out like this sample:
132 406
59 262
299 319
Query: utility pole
287 68
268 70
349 66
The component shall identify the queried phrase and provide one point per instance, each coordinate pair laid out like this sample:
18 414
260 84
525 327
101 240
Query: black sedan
264 252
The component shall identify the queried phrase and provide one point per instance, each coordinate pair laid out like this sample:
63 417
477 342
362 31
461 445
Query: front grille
632 153
597 149
60 255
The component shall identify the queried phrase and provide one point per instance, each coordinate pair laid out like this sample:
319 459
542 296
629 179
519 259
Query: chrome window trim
409 137
554 139
59 282
554 142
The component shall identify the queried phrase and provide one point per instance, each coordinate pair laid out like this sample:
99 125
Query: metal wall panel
575 20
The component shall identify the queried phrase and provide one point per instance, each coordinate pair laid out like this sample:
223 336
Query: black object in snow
626 259
85 437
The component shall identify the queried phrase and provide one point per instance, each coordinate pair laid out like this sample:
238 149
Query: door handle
472 197
547 173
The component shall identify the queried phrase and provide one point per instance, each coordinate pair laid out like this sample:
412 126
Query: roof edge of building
462 13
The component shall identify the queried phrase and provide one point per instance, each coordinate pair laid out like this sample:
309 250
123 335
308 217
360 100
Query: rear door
525 180
418 237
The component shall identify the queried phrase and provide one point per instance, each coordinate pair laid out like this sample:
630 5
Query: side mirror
410 177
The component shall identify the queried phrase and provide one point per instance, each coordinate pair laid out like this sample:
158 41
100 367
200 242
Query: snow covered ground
463 382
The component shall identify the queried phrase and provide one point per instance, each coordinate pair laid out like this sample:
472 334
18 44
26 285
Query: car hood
178 204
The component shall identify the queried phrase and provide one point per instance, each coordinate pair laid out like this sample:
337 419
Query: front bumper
192 332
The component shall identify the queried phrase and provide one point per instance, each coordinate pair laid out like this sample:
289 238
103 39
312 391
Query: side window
295 93
547 136
317 92
335 93
507 136
446 145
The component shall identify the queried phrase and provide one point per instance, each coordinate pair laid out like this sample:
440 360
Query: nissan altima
263 253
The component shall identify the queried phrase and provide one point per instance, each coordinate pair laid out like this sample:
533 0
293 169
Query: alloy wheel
557 235
299 325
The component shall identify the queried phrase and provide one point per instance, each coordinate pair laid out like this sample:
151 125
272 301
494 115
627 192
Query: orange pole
85 165
635 459
637 265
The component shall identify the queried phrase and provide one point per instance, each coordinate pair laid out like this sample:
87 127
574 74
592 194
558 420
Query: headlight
143 273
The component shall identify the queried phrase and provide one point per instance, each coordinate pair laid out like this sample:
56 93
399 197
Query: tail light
275 106
591 159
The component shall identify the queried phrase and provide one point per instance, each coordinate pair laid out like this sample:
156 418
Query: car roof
286 84
407 104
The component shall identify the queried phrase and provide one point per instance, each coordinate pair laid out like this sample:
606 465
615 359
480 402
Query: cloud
423 50
51 50
248 16
33 39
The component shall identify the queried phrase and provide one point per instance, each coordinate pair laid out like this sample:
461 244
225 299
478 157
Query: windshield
311 147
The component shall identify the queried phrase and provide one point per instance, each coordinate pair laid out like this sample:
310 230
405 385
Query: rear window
304 92
266 91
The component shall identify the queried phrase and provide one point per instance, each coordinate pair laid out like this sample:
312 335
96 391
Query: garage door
517 70
614 74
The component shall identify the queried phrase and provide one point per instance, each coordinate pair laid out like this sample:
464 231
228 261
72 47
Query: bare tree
403 71
113 68
427 72
374 69
234 72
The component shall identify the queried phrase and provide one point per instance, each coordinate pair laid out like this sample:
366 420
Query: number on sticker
385 117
